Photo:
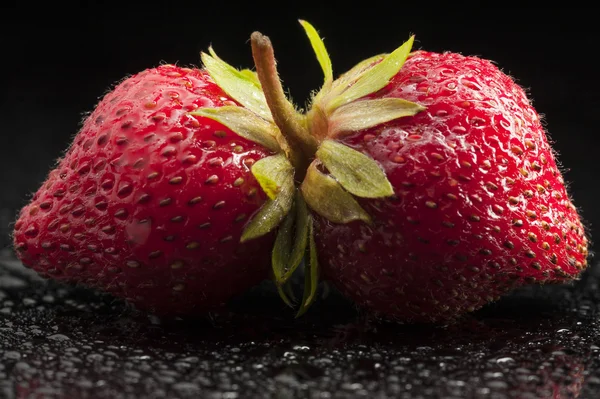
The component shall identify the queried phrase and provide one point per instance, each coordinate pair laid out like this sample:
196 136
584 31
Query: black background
58 60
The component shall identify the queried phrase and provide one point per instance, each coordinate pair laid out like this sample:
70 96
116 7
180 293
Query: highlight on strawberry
422 185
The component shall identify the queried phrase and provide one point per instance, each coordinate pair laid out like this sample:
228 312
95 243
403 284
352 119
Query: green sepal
245 123
356 172
300 237
341 106
272 173
351 76
286 294
363 114
291 241
324 195
372 80
311 272
276 176
288 288
280 256
320 51
252 76
239 85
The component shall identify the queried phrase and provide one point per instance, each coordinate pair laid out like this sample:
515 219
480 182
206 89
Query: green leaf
320 51
291 241
364 114
311 273
276 176
373 79
245 123
356 172
327 197
272 172
237 84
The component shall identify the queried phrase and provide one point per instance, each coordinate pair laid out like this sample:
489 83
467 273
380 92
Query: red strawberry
480 205
149 202
433 189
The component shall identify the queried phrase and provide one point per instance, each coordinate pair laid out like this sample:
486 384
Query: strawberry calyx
331 174
311 170
263 117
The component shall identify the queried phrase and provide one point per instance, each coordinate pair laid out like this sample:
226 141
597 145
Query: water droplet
29 302
58 337
497 384
188 387
505 361
48 298
12 355
7 281
94 357
301 348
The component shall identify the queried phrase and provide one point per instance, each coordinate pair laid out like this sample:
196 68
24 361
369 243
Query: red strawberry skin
480 205
149 202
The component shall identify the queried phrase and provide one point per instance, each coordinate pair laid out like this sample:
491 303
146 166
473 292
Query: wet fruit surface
62 342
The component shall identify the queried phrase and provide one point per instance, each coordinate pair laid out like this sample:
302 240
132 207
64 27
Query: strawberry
431 190
479 205
150 200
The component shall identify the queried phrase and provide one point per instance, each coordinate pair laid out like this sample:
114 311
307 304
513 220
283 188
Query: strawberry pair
422 185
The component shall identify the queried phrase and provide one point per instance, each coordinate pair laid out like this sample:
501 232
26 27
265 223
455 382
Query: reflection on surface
57 341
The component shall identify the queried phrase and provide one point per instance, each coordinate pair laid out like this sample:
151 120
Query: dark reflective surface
61 342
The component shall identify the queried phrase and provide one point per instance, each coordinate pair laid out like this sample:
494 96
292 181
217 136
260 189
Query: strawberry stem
290 122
